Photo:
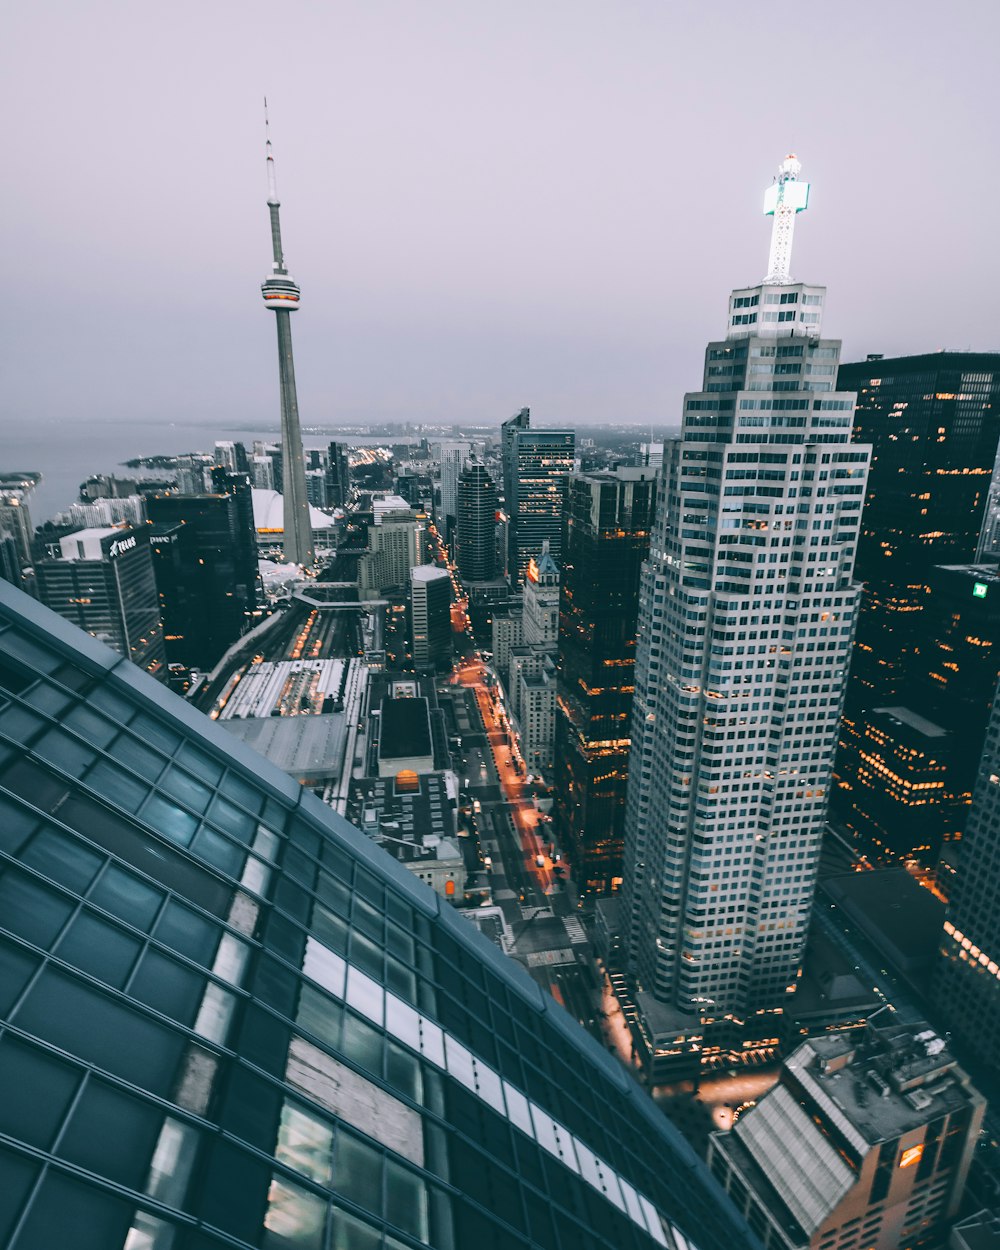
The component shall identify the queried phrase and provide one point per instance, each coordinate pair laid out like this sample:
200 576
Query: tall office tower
967 982
608 520
225 455
229 1020
248 584
746 614
10 559
338 476
933 422
866 1140
519 421
540 464
15 518
218 596
281 295
102 580
430 616
453 458
476 524
394 549
541 600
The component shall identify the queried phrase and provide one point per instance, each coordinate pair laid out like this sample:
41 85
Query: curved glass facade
228 1020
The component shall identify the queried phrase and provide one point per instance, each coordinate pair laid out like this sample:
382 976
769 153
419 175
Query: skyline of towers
746 614
281 295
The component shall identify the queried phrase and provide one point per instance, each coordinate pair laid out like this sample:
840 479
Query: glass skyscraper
228 1020
747 607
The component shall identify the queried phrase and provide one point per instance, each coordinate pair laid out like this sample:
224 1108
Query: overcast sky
487 203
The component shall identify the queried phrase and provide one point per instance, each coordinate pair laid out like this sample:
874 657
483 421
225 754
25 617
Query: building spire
273 203
782 200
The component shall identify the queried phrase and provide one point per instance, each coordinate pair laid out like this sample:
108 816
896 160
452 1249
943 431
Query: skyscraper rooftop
228 1020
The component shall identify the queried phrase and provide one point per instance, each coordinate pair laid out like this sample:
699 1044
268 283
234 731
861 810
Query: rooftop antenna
783 199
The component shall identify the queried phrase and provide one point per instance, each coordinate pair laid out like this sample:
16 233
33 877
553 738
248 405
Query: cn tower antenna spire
782 201
281 296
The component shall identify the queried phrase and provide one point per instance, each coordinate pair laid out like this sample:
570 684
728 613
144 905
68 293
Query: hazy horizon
486 206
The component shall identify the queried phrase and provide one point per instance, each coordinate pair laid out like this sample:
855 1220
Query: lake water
67 453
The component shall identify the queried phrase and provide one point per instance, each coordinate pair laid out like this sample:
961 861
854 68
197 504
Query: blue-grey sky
488 203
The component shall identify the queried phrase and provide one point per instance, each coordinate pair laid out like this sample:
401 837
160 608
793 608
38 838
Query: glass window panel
200 762
16 969
169 820
358 1173
167 986
87 1022
62 858
399 942
347 1233
402 1021
30 653
489 1086
325 967
276 985
366 955
334 893
47 699
330 929
15 825
185 789
367 919
252 1108
219 852
432 1041
94 946
118 708
517 1109
12 676
184 931
117 786
232 820
18 1177
72 677
30 909
401 978
403 1071
20 724
95 729
137 756
65 751
149 1233
305 1143
244 792
112 1133
35 1091
365 995
215 1013
67 1212
124 895
153 730
35 785
363 1044
406 1200
173 1163
459 1062
295 1218
320 1016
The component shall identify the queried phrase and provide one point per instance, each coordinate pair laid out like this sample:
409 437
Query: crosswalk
575 930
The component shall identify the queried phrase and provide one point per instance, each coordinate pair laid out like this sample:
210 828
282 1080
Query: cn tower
281 295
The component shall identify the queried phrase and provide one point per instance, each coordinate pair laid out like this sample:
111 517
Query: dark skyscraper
476 523
102 580
608 518
967 985
281 295
213 602
933 423
227 1019
338 477
537 464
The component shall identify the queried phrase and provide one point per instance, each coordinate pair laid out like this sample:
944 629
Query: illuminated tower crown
783 199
